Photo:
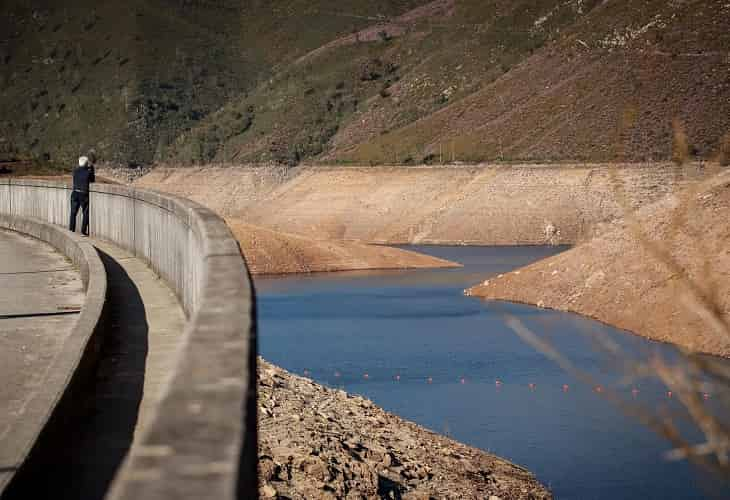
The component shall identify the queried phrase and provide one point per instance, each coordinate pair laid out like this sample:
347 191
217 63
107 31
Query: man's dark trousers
80 200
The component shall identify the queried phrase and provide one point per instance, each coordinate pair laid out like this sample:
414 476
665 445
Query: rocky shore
317 442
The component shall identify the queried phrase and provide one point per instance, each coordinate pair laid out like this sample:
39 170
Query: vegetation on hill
370 84
608 88
384 81
127 78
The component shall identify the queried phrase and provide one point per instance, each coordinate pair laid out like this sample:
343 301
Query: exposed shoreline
609 275
317 442
272 253
330 218
290 227
654 274
487 204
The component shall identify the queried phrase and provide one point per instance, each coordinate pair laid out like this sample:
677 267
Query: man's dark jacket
83 176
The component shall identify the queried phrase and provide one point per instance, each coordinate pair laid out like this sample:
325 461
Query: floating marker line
499 384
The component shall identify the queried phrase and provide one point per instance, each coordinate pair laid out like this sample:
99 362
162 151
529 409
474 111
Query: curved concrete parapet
71 368
201 442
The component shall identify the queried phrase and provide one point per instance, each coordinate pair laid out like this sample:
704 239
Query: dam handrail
201 441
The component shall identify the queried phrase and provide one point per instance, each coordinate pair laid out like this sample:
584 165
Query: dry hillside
660 273
482 205
271 252
608 87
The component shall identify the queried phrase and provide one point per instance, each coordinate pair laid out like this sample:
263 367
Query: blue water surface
415 345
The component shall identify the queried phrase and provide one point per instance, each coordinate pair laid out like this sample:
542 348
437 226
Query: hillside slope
639 280
475 80
119 77
272 252
128 77
608 88
384 81
477 205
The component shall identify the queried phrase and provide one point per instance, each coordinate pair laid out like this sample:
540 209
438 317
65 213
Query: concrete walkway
145 326
41 294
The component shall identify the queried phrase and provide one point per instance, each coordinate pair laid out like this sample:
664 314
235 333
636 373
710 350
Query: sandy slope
618 277
318 218
481 204
269 251
272 252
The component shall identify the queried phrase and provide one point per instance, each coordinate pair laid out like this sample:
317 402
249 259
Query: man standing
83 176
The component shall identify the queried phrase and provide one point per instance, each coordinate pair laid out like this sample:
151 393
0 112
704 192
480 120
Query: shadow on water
81 457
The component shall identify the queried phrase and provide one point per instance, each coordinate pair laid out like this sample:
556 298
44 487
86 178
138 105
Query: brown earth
479 80
268 251
610 275
316 442
272 252
660 273
478 205
392 28
608 90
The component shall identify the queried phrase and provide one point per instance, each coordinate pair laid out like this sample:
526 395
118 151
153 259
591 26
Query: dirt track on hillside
622 278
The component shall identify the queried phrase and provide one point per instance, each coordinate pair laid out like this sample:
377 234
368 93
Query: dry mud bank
640 273
273 252
268 251
316 442
481 205
319 443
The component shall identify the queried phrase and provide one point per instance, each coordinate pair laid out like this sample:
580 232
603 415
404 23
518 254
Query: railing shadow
79 459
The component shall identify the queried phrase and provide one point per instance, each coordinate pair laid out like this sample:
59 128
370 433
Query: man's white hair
83 161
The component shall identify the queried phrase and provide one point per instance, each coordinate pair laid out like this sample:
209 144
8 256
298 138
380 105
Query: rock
267 468
268 491
552 234
315 468
324 443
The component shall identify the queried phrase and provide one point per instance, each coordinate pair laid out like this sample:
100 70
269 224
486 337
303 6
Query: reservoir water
411 342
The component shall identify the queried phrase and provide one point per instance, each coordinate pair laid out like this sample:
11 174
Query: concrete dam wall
201 442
